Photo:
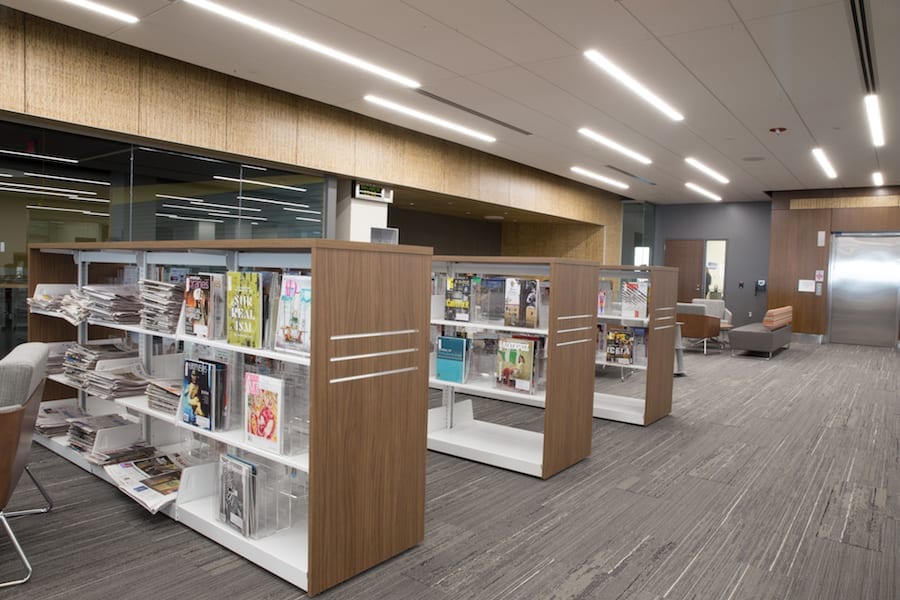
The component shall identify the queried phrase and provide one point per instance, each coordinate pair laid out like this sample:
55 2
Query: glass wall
63 187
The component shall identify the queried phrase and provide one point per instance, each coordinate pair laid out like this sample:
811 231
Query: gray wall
745 225
446 234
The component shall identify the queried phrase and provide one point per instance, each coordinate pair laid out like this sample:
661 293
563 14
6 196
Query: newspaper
152 482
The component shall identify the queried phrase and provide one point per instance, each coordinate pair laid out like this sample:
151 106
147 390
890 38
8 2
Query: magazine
515 364
458 298
244 299
237 493
451 363
263 417
196 305
294 314
197 394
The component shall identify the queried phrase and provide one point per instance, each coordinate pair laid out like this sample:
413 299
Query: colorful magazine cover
196 305
294 314
515 364
263 418
196 394
458 299
244 299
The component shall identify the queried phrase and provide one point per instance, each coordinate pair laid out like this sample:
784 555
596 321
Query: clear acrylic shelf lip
622 320
485 390
233 438
476 325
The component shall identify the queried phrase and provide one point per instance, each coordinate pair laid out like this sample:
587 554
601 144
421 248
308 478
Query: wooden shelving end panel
661 349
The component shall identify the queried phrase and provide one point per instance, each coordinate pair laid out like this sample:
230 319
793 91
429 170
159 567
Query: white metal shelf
487 390
619 408
623 320
491 327
603 363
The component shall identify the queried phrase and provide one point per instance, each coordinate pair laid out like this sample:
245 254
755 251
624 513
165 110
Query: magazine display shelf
568 394
656 402
368 374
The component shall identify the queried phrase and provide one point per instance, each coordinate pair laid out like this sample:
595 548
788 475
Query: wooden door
687 255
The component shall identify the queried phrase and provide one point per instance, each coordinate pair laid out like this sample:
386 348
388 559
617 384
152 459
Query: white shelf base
271 552
489 443
619 408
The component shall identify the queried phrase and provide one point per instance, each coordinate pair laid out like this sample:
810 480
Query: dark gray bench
755 337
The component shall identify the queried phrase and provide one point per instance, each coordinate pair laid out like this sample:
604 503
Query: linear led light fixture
73 210
255 168
200 202
634 85
263 183
194 208
181 154
267 201
105 10
824 163
40 156
61 178
873 112
614 145
4 187
406 110
308 219
80 199
705 192
601 178
180 218
299 40
301 210
6 174
877 179
46 188
230 216
704 169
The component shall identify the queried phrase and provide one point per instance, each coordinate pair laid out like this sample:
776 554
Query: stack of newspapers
160 304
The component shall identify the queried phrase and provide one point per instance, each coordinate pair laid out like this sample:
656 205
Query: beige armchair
697 324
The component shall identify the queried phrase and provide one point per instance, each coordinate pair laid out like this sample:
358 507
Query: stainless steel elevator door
865 290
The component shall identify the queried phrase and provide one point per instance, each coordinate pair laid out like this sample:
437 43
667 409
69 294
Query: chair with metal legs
21 388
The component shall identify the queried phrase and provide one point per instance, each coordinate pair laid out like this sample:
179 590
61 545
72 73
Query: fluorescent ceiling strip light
307 43
105 10
614 145
429 118
308 219
181 154
253 167
703 191
267 201
6 174
873 112
57 190
39 156
824 163
704 169
600 178
633 84
73 210
61 178
200 202
101 200
180 218
230 216
194 208
301 210
878 178
4 188
263 183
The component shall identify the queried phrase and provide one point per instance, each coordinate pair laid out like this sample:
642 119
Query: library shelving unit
364 463
656 317
568 332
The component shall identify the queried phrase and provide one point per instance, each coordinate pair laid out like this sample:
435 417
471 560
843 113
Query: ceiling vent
861 29
473 112
632 175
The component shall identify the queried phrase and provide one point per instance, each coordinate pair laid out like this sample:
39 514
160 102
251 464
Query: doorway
701 267
865 290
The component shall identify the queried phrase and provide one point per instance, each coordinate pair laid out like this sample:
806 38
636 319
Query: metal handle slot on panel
575 329
348 358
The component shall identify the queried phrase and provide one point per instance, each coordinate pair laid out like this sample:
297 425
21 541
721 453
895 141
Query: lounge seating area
702 321
767 337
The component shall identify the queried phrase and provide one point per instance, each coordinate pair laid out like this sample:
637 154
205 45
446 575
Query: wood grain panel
77 77
882 218
794 255
421 170
459 166
182 103
367 437
523 191
326 138
12 60
552 240
687 257
568 418
660 344
261 122
493 177
845 202
379 151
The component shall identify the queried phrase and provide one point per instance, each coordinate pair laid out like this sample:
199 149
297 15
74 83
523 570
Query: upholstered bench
773 333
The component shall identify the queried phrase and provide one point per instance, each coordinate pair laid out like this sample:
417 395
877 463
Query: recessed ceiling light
429 118
703 168
61 178
633 84
47 188
824 163
308 219
700 190
874 113
601 178
71 210
614 145
262 183
493 217
180 218
104 10
39 156
267 201
299 40
878 178
302 210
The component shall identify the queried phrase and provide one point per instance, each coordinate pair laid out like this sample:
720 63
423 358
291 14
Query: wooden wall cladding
378 154
553 240
367 466
794 255
881 218
845 202
12 60
568 418
80 78
326 138
182 103
261 122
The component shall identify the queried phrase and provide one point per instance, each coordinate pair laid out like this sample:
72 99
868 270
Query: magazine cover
619 344
244 299
196 305
634 299
521 303
451 363
294 314
263 418
215 305
196 394
515 364
458 299
236 493
489 296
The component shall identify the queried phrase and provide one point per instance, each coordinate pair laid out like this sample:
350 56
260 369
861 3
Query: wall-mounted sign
371 191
